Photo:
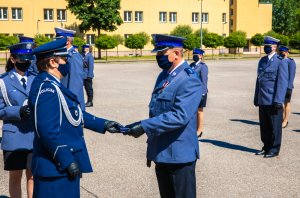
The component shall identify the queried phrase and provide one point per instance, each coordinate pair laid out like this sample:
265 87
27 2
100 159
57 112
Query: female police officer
60 154
17 137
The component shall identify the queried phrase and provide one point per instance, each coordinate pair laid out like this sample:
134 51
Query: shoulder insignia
47 89
3 75
290 58
279 57
189 70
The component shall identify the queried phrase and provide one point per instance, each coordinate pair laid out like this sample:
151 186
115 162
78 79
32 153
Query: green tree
79 42
204 31
145 37
236 40
135 41
6 41
120 40
213 41
284 40
40 39
257 40
192 41
96 15
295 41
182 31
106 42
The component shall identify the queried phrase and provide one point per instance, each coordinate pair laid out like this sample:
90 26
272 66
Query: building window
204 17
173 17
17 13
195 17
127 35
163 17
48 14
231 12
224 18
61 15
90 39
127 16
50 36
3 14
231 2
138 16
18 34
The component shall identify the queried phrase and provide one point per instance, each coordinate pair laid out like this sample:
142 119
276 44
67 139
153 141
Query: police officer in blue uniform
270 90
202 70
32 68
74 80
284 52
88 74
172 141
17 129
60 155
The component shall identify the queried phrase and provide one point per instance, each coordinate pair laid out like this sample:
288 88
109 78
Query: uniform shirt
20 77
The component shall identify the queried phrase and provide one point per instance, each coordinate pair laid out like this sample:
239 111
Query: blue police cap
85 46
283 49
61 32
22 50
268 40
26 39
53 48
198 51
164 42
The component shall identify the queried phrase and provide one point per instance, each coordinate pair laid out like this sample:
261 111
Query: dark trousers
176 180
88 85
270 127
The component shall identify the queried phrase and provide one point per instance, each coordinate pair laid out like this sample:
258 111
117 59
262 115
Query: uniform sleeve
8 112
186 103
47 120
91 66
282 82
93 123
204 75
292 73
256 84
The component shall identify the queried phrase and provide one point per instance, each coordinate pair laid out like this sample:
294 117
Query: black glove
112 126
135 129
89 78
288 93
25 111
73 170
278 106
255 103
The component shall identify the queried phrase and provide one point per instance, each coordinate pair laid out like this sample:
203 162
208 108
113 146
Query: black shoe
285 125
261 152
270 154
89 104
199 136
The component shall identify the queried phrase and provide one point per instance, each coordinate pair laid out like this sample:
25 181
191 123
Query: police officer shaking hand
171 128
59 154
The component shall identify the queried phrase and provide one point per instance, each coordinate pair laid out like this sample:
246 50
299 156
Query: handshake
134 129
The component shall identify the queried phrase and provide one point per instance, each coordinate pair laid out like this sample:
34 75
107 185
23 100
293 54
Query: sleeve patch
47 90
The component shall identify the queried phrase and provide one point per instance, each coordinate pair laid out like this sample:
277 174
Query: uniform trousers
88 85
176 180
56 187
270 127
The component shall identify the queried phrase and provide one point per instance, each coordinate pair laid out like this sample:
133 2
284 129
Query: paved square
228 166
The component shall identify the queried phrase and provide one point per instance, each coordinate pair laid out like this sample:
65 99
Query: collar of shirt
177 66
68 49
271 55
20 77
54 77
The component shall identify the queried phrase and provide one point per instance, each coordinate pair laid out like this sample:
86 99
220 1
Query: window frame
2 14
164 14
90 39
14 10
48 14
59 13
171 16
139 15
207 17
197 17
127 14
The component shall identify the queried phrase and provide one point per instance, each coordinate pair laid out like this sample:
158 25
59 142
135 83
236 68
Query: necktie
23 83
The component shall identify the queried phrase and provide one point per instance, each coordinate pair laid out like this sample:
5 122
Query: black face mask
267 49
282 55
163 62
23 66
196 58
64 69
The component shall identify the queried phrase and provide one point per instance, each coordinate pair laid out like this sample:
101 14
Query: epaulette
280 57
189 70
290 58
3 75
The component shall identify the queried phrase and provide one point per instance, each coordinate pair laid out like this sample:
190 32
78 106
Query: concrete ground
228 166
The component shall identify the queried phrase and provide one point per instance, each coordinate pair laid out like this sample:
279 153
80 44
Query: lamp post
201 23
37 25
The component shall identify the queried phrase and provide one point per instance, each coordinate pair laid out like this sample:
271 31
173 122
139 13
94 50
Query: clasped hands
134 129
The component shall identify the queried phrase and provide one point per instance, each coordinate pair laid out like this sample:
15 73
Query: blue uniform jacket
202 70
89 61
17 133
272 80
171 128
57 142
74 80
292 72
33 67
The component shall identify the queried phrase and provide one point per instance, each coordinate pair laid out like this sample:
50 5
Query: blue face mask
163 62
268 49
64 69
196 58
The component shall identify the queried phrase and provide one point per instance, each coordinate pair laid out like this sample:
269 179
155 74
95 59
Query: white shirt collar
54 77
20 77
177 66
271 55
